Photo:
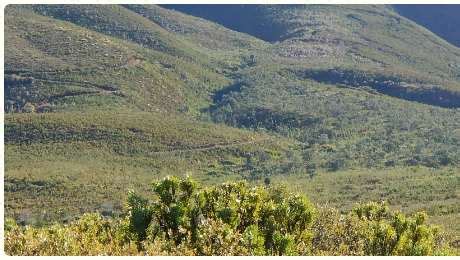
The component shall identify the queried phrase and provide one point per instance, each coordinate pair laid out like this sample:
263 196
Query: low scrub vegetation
231 219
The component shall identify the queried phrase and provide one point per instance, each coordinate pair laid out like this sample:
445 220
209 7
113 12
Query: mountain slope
339 78
351 39
96 53
361 37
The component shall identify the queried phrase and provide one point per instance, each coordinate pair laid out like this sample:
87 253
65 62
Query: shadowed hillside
443 20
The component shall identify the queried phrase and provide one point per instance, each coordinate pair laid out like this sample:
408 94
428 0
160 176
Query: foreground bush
231 219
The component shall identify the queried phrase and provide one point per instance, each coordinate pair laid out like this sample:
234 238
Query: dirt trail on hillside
209 147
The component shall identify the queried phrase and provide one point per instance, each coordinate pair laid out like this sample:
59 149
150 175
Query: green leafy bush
231 219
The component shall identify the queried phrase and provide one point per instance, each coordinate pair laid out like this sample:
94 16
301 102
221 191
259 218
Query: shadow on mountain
391 86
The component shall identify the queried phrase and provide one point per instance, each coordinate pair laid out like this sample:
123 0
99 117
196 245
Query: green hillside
351 113
364 37
76 59
70 163
100 99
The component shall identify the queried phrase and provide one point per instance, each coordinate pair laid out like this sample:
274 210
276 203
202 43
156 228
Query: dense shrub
231 219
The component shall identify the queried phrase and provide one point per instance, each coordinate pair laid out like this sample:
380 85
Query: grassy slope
360 106
108 46
352 126
360 37
69 163
146 58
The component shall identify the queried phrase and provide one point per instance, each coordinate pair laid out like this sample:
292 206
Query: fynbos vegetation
231 219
